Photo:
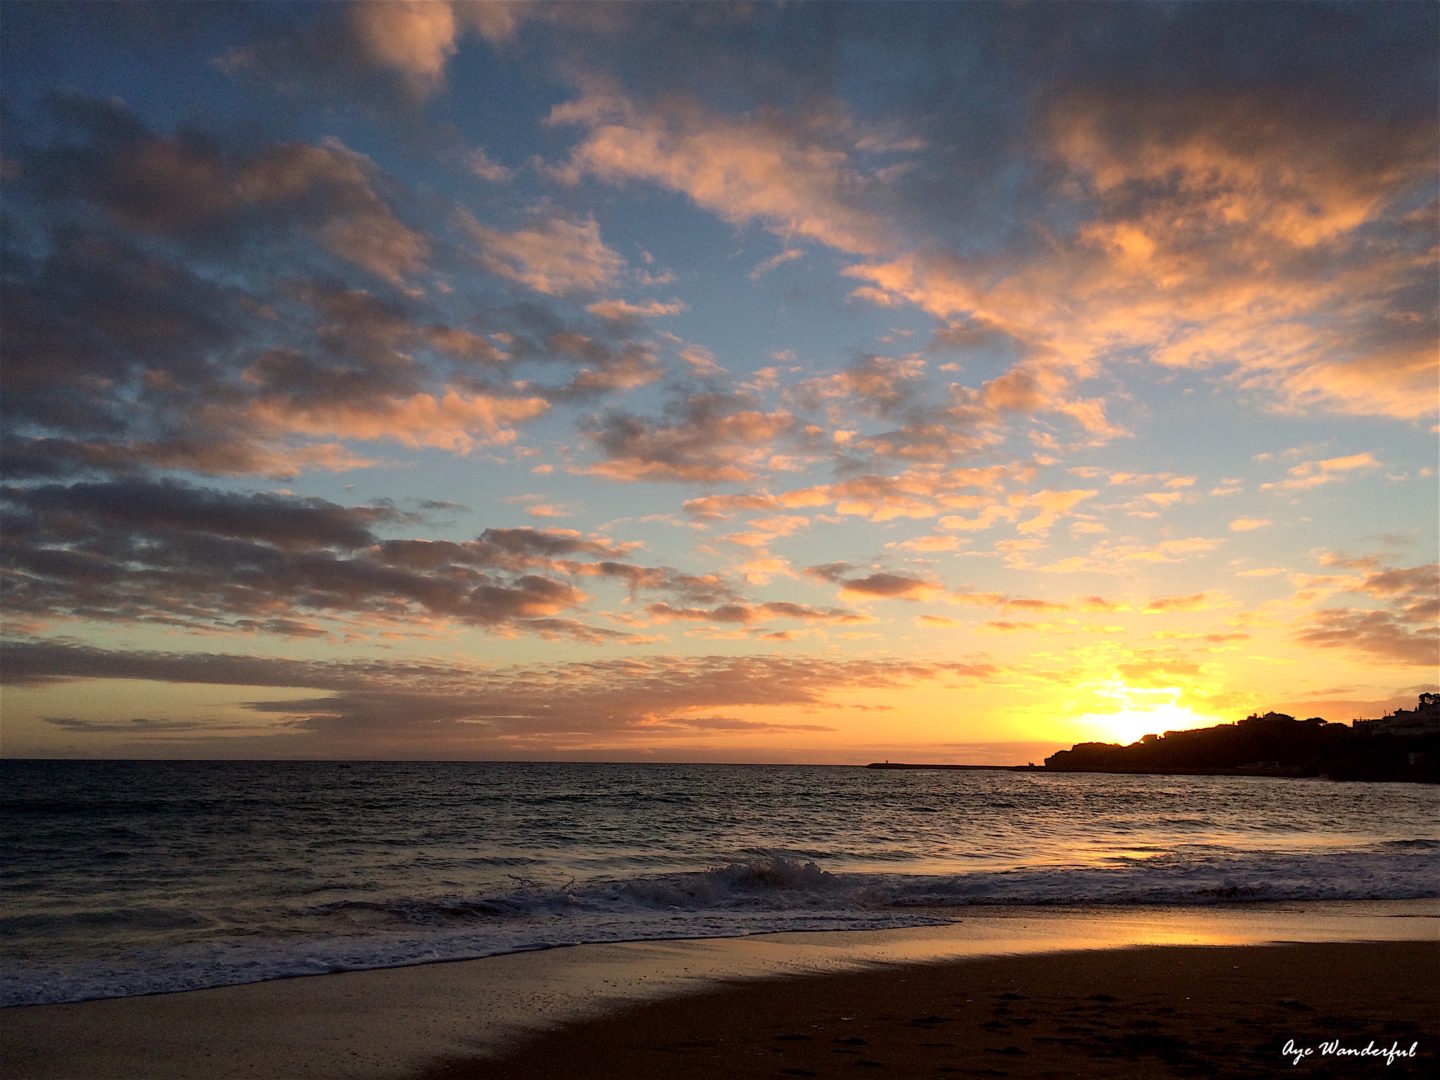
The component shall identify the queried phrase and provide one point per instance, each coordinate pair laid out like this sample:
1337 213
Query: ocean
122 878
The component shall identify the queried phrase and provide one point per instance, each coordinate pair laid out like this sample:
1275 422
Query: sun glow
1138 712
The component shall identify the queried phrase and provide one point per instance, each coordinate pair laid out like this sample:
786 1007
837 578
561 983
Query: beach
1136 992
1163 1011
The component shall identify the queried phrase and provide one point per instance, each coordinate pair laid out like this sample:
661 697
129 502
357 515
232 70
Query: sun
1137 712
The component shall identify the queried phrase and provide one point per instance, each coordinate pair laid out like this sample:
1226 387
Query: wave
780 890
1401 871
766 893
780 885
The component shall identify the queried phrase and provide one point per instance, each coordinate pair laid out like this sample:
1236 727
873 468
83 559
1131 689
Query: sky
810 382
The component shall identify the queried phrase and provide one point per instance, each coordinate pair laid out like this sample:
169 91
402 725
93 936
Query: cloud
142 551
1208 221
764 530
287 522
205 303
1050 506
190 188
1313 474
916 493
881 585
437 707
194 394
748 614
603 366
200 299
877 384
936 424
797 181
497 21
1247 524
376 48
709 438
451 421
780 259
102 310
1193 602
1108 557
1403 630
701 362
555 256
621 310
720 507
936 622
930 544
140 726
414 39
730 724
986 519
480 165
1380 635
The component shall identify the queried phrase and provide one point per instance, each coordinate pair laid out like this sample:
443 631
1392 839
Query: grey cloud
1404 630
885 585
137 549
447 708
139 725
104 313
746 614
1387 636
190 302
545 542
706 438
732 724
191 189
142 550
287 522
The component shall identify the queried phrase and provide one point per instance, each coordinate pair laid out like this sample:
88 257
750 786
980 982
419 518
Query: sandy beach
1134 992
1141 1012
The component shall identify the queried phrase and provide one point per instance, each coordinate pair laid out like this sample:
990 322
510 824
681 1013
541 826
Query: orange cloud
1246 524
1051 506
1313 474
452 421
930 544
985 520
938 622
415 39
719 507
796 181
1199 251
554 257
623 309
1193 602
701 361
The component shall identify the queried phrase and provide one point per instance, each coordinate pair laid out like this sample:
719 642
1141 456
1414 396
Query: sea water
121 878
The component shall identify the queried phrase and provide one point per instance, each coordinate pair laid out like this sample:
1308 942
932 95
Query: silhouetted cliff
1405 746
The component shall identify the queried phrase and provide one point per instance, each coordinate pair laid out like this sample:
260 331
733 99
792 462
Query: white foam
761 895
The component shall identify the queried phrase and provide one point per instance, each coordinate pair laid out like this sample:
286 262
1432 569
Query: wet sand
1141 1012
1196 992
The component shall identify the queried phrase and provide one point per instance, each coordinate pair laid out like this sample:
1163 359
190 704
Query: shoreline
401 1021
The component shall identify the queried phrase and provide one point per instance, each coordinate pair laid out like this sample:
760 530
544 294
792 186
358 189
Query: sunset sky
816 382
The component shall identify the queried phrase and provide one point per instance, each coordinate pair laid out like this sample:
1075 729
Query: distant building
1424 719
